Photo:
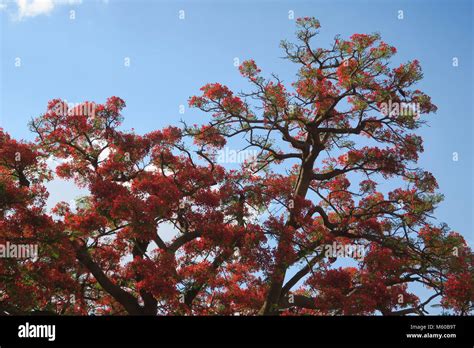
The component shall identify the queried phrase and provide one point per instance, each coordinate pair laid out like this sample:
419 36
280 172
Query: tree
258 240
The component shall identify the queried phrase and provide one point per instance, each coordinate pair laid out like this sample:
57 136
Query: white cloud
33 8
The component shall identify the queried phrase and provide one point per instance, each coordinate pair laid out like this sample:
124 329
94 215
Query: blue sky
171 58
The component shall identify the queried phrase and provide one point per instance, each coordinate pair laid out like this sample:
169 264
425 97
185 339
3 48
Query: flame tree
249 241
